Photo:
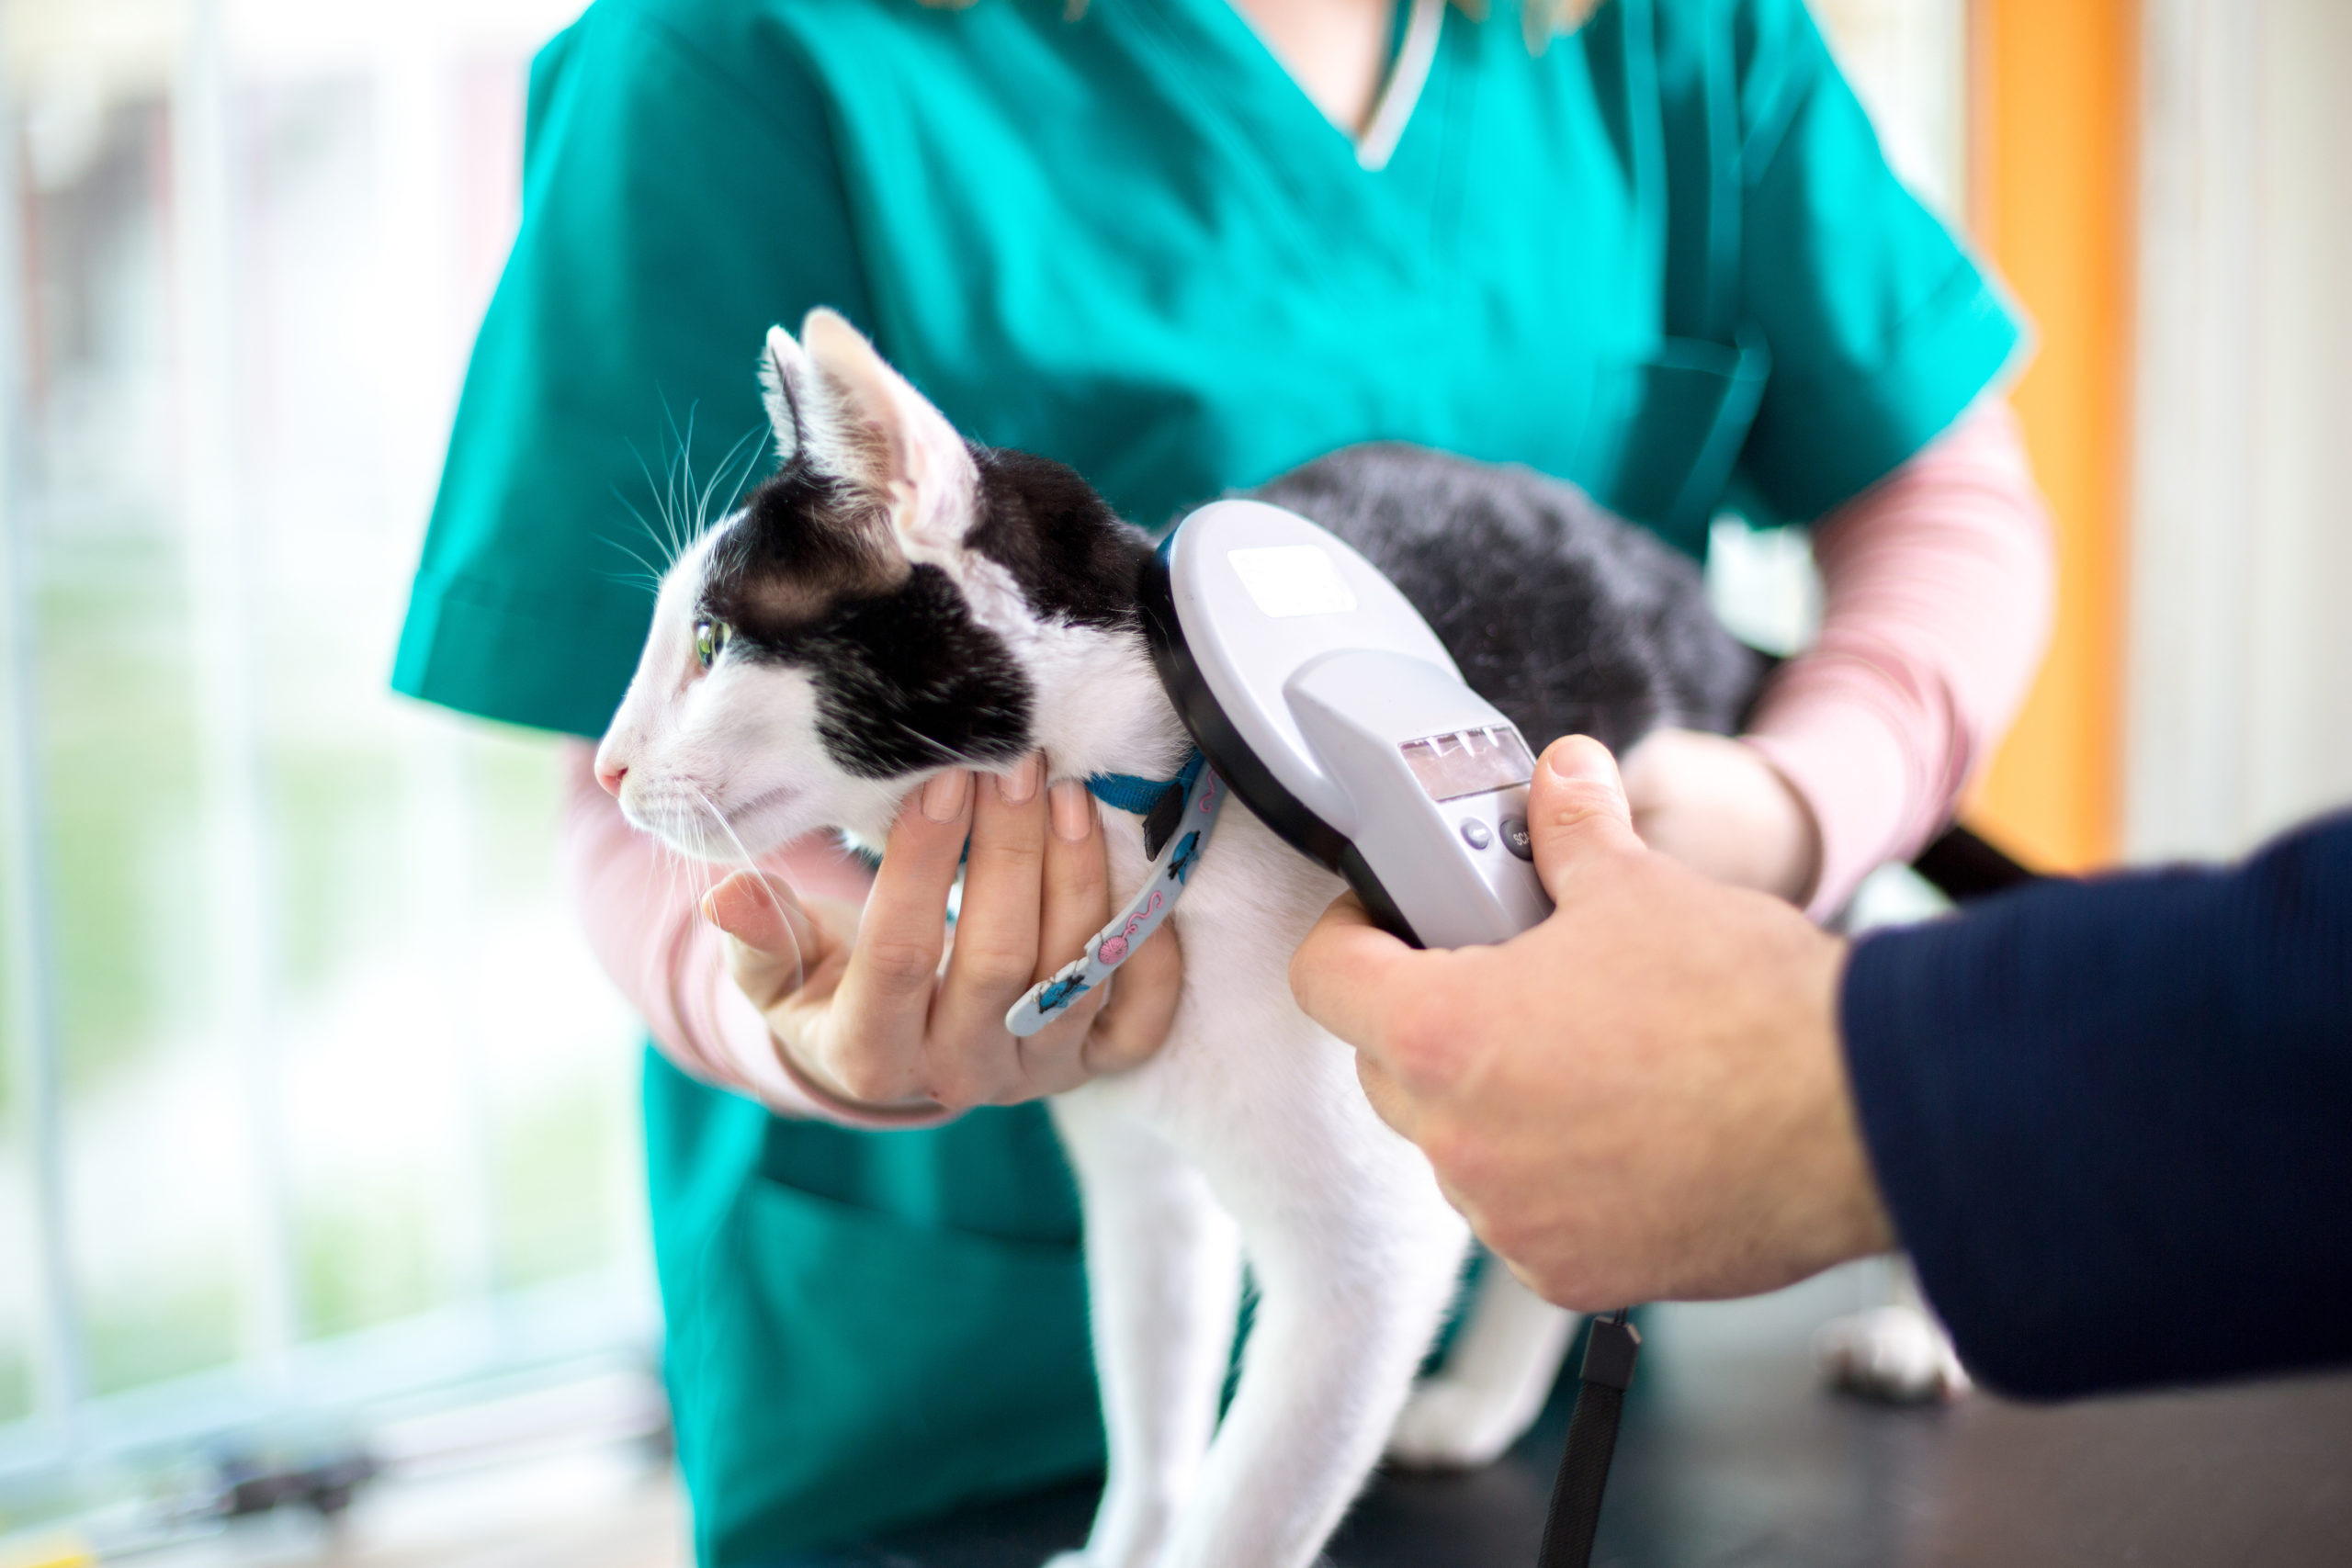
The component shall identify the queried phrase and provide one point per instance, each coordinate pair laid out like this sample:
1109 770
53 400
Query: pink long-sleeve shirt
1937 586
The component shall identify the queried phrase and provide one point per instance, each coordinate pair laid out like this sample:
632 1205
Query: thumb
765 928
1577 812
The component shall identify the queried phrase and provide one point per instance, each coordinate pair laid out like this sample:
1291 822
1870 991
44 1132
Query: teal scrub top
1664 259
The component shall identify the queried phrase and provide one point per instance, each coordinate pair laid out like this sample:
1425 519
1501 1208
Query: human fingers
767 934
1652 771
1076 884
874 1039
1346 975
1719 805
1666 778
1576 814
1075 903
1389 1099
1134 1021
972 1057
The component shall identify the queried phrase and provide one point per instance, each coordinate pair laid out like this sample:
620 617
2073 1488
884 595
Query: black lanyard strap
1611 1345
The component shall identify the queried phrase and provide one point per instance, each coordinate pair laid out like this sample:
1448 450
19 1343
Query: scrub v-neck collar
1234 50
1400 96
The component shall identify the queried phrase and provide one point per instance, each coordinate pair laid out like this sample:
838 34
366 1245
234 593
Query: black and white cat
896 601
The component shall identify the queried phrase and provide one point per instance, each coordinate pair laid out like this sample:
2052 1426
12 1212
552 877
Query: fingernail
1579 759
710 907
1072 809
1015 787
943 797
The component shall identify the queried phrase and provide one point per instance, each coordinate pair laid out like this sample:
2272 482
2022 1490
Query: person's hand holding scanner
858 997
1643 1097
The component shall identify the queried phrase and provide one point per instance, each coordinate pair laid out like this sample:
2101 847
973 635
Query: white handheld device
1319 692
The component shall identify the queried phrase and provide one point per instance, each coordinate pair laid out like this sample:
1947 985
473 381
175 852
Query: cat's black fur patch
1569 619
908 679
1071 556
905 678
796 530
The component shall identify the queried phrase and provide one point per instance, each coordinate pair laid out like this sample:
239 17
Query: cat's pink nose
610 776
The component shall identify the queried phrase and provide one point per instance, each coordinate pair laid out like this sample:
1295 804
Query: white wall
1908 61
2240 672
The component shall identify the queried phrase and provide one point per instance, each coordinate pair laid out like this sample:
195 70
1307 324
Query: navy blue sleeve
2113 1120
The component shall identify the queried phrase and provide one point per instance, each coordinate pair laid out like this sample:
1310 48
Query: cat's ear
869 429
784 380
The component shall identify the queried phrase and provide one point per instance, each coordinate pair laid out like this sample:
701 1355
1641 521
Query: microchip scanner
1323 698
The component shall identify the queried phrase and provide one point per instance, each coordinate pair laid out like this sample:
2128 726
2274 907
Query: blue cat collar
1126 791
1171 869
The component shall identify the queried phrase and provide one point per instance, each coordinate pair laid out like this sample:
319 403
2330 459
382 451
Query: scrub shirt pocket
1690 408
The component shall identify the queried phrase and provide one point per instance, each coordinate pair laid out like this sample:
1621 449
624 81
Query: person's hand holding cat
1715 805
858 1000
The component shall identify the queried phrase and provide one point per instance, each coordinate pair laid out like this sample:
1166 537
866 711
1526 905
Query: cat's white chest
1238 1049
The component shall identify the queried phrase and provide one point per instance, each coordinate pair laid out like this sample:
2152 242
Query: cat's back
1567 617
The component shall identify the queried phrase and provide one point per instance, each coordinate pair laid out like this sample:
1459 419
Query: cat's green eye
711 641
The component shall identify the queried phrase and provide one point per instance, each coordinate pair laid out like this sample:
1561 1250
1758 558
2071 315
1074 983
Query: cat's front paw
1453 1426
1069 1559
1896 1355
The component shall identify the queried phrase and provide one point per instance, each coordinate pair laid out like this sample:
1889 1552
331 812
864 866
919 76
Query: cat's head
894 601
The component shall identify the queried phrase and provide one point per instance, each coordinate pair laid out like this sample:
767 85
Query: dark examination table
1730 1455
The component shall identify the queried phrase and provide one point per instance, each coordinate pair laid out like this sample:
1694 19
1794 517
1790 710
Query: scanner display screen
1293 579
1469 761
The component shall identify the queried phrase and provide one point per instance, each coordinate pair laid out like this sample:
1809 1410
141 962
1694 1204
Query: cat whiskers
663 542
947 754
684 506
683 870
650 577
767 889
682 473
665 536
759 437
682 510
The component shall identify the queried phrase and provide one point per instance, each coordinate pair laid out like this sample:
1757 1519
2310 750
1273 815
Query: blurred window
307 1091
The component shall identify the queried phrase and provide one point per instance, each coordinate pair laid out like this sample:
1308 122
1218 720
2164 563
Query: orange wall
2054 112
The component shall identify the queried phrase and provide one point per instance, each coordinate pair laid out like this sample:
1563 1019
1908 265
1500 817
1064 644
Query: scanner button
1475 834
1515 839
